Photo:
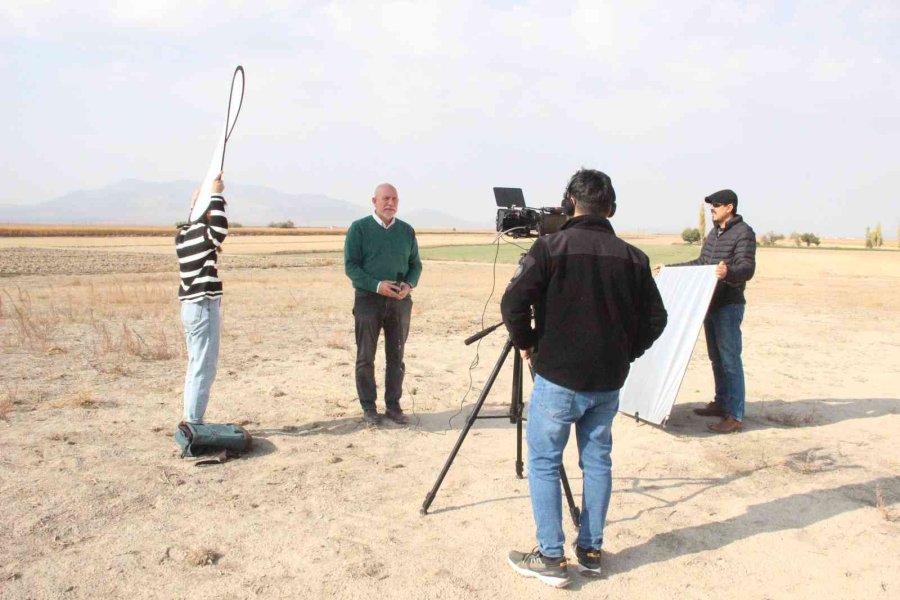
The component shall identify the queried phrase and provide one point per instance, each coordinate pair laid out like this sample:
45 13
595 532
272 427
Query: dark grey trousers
373 313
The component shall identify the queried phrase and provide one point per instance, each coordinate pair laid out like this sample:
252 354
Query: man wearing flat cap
731 246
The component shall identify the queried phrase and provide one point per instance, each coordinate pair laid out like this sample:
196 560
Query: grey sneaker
371 416
588 561
551 571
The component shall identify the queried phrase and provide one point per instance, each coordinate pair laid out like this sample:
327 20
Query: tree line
874 239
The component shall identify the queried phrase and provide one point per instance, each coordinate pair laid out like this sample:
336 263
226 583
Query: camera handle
516 410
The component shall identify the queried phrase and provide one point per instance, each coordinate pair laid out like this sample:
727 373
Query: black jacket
596 305
736 245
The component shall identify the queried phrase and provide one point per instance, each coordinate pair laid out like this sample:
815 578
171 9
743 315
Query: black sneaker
397 416
551 571
371 416
588 561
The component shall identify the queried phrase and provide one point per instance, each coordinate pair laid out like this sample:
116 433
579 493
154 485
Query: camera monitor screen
509 197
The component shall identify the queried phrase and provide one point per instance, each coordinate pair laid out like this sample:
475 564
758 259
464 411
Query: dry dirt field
96 503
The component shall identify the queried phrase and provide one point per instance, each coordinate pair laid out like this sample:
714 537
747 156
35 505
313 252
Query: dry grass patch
84 399
26 230
7 402
293 302
367 568
810 461
146 310
887 513
792 419
338 342
118 369
203 557
29 329
155 344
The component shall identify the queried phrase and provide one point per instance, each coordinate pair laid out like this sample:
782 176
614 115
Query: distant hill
135 202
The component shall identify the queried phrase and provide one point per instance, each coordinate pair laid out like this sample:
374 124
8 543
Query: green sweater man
381 258
375 253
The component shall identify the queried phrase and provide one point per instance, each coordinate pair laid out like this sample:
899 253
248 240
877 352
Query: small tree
795 237
771 238
282 224
691 235
809 238
878 240
869 243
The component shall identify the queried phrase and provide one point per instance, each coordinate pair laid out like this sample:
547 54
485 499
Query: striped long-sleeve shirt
197 246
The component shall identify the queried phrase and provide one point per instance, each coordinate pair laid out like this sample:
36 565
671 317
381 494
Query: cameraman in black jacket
596 309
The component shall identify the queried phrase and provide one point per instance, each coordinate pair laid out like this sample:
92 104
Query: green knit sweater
373 254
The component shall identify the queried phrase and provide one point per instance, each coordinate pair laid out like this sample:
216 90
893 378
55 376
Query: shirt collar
380 222
589 222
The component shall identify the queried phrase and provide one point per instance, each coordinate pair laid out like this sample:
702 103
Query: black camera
518 220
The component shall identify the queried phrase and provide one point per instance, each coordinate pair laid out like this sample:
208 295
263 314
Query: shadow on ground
773 414
791 512
780 414
449 422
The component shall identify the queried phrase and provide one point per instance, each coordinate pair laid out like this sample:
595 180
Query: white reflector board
653 382
203 198
216 164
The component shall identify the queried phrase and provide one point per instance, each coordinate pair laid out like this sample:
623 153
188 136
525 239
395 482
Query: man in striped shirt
198 245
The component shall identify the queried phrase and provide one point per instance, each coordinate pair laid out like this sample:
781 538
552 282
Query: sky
794 105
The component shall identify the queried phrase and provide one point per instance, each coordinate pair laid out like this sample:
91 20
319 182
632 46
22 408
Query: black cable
228 131
475 360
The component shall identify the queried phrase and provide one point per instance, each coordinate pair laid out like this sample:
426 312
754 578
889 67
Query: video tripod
516 407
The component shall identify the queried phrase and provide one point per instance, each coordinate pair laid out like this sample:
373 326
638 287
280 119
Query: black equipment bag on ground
204 439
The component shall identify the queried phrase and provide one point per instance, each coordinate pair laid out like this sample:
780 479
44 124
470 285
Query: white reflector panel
652 385
216 163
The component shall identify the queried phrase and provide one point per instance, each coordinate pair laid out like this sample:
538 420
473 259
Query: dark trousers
372 314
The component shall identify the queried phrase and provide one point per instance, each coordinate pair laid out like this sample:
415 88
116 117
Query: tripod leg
515 410
429 498
573 510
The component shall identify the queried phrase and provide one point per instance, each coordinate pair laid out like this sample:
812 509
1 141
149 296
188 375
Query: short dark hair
593 191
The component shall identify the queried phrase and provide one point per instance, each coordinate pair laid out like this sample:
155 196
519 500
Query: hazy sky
794 105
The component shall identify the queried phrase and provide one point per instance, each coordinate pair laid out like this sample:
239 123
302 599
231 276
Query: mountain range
135 202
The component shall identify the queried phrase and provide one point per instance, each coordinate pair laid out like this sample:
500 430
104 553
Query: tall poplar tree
702 221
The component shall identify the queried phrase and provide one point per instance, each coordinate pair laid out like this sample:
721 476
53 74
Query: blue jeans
723 343
551 412
201 331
